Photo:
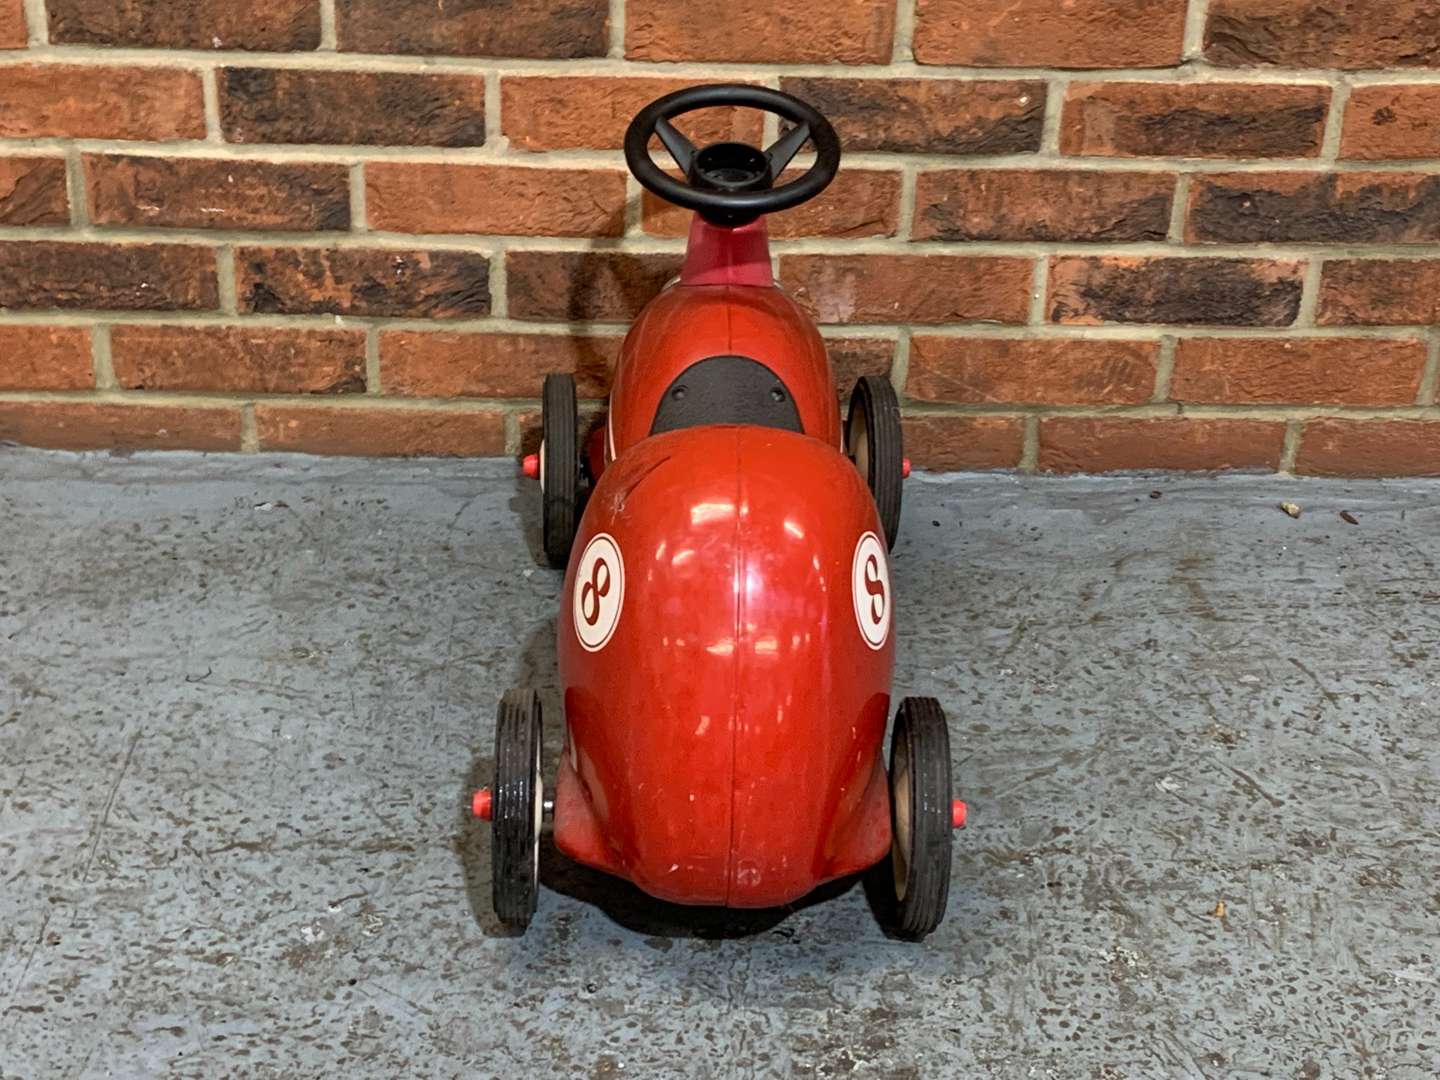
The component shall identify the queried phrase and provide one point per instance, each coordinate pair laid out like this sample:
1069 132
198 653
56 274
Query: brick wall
1103 234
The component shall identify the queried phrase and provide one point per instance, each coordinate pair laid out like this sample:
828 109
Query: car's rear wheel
518 809
559 469
921 821
874 441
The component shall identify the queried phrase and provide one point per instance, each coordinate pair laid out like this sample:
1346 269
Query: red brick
378 108
425 364
1298 371
1346 34
79 425
71 102
1042 33
1379 292
362 281
113 277
929 116
591 112
851 358
1335 447
761 31
496 199
1392 122
580 286
239 359
1205 120
199 193
1087 291
909 288
374 430
32 191
952 443
1105 444
1315 208
45 358
859 202
268 25
535 28
1045 204
13 34
1031 372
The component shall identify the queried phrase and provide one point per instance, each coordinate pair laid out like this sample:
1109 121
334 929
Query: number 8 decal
870 586
598 592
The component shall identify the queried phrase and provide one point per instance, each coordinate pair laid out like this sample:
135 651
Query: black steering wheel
732 183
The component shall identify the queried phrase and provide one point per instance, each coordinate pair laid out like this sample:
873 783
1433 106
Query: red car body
723 743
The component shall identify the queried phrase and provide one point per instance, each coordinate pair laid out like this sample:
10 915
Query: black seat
726 390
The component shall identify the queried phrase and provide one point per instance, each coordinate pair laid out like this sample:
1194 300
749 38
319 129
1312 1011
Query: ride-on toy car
725 638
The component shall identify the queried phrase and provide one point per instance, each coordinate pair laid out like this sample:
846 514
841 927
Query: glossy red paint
724 745
715 255
688 323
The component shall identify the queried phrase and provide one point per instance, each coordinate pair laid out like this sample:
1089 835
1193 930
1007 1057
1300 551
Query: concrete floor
242 700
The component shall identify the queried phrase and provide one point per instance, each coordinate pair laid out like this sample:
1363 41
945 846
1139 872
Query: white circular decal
599 591
870 585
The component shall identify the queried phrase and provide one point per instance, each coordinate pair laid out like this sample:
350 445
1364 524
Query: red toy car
725 638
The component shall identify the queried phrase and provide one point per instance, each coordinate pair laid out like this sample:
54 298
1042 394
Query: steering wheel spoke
783 149
674 140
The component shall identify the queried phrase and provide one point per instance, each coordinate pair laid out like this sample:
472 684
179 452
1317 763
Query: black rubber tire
875 443
920 799
559 469
515 817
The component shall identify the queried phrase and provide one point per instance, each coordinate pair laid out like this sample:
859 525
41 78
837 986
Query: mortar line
905 222
372 360
1015 410
498 323
359 210
328 38
615 64
225 276
1195 17
1290 449
1030 448
903 50
37 24
1056 89
899 364
75 189
1039 292
1430 379
1165 368
1179 209
645 244
101 358
497 151
495 138
210 92
1335 120
1310 292
249 432
616 23
514 437
634 218
499 283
